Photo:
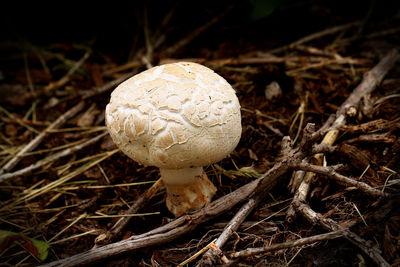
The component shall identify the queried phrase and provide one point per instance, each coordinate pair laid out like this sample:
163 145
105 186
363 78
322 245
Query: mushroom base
184 197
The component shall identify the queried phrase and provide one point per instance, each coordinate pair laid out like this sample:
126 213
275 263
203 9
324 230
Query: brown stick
184 224
290 244
211 256
38 139
331 225
371 79
320 61
108 86
119 226
67 77
51 158
181 225
341 179
163 234
316 35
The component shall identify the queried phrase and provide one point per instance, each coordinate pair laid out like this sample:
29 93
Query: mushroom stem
187 189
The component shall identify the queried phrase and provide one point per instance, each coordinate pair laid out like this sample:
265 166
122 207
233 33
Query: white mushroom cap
175 116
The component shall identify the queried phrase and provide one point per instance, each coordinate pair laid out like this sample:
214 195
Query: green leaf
37 248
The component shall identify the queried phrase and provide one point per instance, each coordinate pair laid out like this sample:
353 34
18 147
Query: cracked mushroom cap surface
175 116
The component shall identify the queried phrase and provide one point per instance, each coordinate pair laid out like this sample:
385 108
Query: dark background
117 26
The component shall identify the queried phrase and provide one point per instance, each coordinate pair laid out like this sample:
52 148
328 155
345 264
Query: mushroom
178 117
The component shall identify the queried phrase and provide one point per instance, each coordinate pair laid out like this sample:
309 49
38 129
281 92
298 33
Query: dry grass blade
54 85
369 83
80 217
105 216
300 242
194 256
38 192
51 158
20 122
36 141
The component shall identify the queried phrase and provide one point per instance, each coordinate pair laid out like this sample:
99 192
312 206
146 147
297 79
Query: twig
120 225
184 224
196 32
322 63
318 52
316 35
108 86
51 158
193 257
38 139
163 234
331 225
371 79
29 195
54 85
269 59
373 35
290 244
211 256
341 179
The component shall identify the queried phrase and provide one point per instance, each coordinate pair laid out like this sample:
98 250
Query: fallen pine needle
113 185
37 192
198 253
68 226
359 213
299 242
72 237
121 215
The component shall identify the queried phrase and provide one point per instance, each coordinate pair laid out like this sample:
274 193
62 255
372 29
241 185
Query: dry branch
163 234
38 139
67 77
120 225
108 86
255 190
212 255
317 35
183 225
341 179
269 59
331 225
371 79
51 158
290 244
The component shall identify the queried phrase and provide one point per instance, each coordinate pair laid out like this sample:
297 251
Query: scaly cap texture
175 116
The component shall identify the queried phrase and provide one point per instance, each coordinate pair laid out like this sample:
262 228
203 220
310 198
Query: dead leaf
37 248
